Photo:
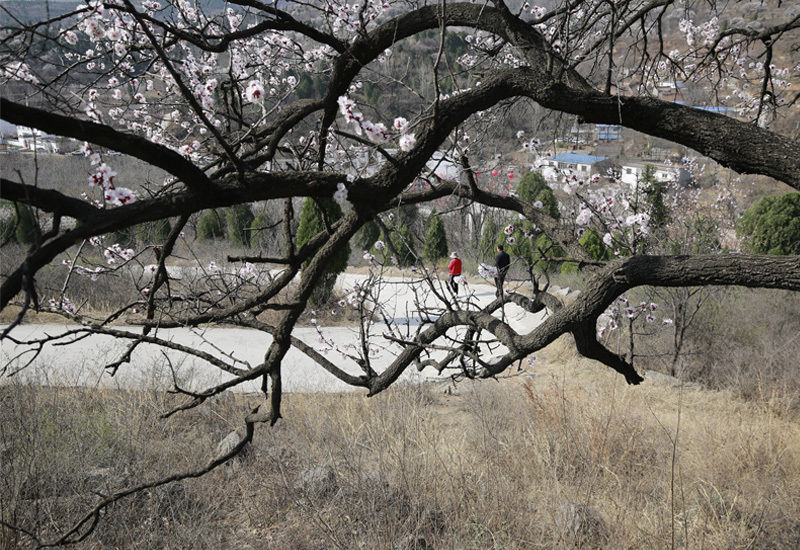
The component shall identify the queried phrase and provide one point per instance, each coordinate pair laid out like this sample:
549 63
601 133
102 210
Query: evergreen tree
543 249
772 225
403 242
256 235
239 218
156 232
7 219
209 226
489 237
436 240
26 225
311 223
530 186
654 191
593 244
125 237
367 235
549 202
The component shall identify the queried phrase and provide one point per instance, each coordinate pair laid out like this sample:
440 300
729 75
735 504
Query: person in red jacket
455 271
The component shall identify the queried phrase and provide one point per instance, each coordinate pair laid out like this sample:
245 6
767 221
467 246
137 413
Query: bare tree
214 99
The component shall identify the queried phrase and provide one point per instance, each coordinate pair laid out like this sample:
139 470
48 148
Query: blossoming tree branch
217 98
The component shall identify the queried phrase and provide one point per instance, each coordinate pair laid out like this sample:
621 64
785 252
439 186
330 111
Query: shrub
311 223
772 225
209 226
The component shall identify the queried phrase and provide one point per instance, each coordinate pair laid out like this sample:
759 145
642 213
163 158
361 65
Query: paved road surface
82 363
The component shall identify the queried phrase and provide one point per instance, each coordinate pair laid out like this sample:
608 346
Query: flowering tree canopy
220 99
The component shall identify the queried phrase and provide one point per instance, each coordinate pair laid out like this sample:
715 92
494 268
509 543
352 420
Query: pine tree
239 218
549 202
489 237
403 243
209 226
26 225
544 249
436 240
593 244
7 220
156 232
256 236
124 237
772 225
654 195
311 223
530 186
367 235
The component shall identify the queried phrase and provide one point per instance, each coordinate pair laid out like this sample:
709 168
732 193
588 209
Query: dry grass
495 466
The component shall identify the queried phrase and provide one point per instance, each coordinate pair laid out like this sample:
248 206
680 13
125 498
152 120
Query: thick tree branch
106 136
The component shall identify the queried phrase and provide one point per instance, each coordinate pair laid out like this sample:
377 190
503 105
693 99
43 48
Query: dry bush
517 464
742 340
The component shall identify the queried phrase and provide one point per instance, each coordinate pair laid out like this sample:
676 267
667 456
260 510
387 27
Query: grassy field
561 455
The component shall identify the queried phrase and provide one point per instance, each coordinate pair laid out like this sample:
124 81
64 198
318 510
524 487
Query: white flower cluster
65 303
249 271
104 178
608 320
376 131
340 195
487 271
116 253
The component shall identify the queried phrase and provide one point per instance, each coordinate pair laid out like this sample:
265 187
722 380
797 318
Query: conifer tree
255 236
403 243
311 223
239 219
209 226
436 240
367 235
772 225
26 225
489 237
155 232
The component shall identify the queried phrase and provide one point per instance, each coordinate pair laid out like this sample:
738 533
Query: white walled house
632 172
583 165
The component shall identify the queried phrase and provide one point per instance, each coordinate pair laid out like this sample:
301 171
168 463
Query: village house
632 172
582 164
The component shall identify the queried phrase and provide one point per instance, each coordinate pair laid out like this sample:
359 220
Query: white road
83 363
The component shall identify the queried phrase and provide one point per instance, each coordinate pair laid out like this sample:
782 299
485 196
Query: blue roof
711 108
575 158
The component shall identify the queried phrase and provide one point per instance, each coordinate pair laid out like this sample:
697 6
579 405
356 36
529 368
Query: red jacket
455 266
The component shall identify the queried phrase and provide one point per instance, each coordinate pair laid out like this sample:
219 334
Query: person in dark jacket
455 271
501 262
